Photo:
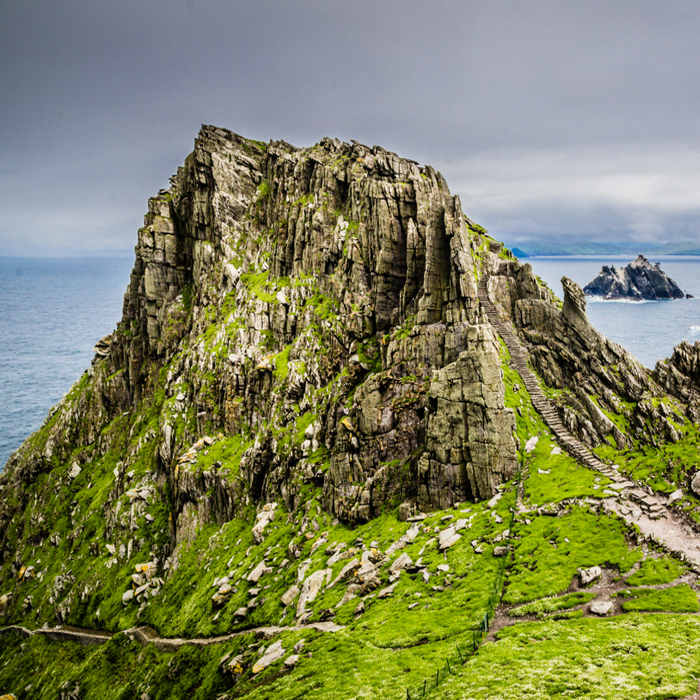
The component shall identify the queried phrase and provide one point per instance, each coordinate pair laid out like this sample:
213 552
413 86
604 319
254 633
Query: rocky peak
313 311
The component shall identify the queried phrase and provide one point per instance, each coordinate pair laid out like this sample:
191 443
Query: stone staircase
541 403
633 502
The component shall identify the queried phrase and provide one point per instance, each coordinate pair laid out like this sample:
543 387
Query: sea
53 311
648 329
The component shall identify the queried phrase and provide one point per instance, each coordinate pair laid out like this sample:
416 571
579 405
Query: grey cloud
101 101
642 191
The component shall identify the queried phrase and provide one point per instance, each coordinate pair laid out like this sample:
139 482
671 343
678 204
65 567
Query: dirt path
605 590
633 502
147 635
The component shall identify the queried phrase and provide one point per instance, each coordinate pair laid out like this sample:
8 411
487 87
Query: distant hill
542 248
679 248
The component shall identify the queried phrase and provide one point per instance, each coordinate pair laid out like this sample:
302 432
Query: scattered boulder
310 589
386 592
260 570
264 517
352 591
74 471
367 575
695 484
587 576
676 496
274 653
404 540
460 524
601 608
448 537
4 602
403 561
291 661
346 572
290 595
222 595
492 503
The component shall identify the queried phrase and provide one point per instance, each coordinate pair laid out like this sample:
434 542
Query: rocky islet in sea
638 281
340 426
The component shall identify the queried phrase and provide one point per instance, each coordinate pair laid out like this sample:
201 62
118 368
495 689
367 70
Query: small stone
448 537
601 608
531 444
289 595
291 661
75 471
127 597
273 653
403 561
257 572
499 551
443 567
676 496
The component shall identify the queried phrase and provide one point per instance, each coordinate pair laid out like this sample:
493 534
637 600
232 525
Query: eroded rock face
680 375
569 353
309 315
637 281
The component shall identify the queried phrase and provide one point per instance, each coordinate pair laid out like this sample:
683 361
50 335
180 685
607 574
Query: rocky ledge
638 281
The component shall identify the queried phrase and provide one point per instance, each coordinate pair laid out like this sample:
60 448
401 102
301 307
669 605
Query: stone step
519 361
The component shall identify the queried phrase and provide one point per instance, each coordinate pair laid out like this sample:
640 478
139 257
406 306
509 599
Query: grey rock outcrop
637 281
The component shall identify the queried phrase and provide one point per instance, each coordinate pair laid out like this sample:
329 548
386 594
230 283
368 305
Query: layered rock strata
596 376
294 317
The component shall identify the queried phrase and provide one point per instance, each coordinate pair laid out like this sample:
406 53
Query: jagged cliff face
304 348
591 372
295 318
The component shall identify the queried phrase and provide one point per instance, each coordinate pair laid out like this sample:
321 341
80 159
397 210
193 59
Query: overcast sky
549 119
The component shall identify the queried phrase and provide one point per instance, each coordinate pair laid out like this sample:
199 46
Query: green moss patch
550 550
550 605
678 599
621 658
655 571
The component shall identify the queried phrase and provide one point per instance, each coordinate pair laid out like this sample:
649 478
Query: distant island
640 280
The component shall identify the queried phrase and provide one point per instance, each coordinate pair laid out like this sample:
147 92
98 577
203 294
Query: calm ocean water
649 330
52 312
